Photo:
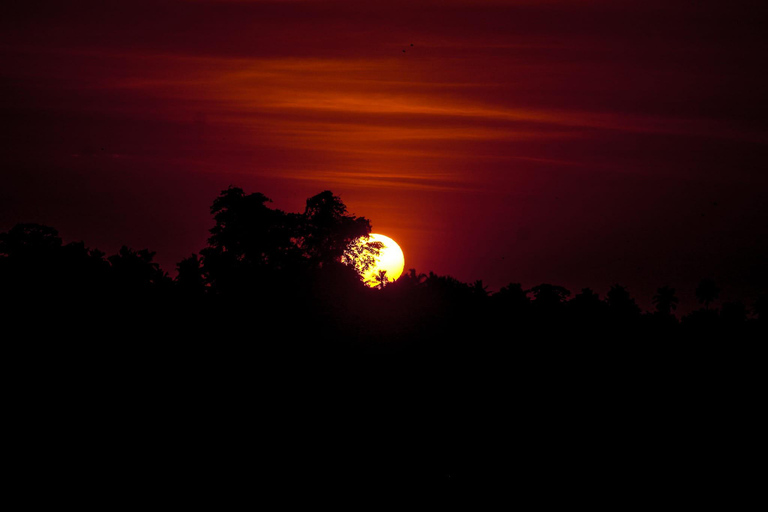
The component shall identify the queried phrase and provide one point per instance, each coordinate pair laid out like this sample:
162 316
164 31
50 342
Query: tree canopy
252 243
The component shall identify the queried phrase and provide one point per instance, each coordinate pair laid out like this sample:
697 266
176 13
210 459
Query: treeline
268 360
292 277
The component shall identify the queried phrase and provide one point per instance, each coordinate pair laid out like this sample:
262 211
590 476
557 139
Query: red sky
580 143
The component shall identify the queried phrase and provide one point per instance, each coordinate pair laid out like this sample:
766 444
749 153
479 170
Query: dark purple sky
581 143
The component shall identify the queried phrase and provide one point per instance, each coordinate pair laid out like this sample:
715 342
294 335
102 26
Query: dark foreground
267 369
211 406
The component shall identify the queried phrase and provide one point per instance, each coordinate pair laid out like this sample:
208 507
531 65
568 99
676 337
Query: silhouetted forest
266 267
267 338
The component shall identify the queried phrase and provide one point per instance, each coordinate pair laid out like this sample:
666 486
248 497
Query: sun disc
390 258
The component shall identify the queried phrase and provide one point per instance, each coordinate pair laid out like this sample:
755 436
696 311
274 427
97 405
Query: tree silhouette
512 296
381 279
327 230
478 290
289 279
415 278
135 270
665 300
620 303
587 312
190 278
25 241
549 296
34 264
587 298
248 228
448 288
361 254
586 305
249 241
707 292
253 246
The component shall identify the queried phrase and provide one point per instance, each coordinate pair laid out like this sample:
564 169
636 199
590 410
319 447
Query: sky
580 143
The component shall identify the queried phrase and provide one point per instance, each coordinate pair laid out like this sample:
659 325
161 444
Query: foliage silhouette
255 247
620 303
549 296
707 292
513 295
272 329
327 229
189 277
665 300
382 279
303 269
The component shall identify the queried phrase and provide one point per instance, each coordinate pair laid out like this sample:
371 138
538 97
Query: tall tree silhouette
253 245
381 279
248 241
327 229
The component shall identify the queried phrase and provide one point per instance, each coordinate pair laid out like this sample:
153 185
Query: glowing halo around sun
390 258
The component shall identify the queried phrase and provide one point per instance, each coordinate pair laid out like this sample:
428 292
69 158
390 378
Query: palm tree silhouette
381 278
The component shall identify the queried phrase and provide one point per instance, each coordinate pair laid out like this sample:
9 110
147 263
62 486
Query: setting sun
390 259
